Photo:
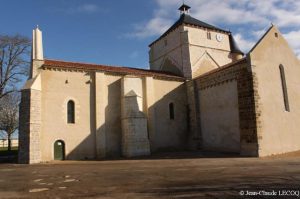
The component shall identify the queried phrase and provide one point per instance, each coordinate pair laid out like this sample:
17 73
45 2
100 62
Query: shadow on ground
171 155
181 155
9 156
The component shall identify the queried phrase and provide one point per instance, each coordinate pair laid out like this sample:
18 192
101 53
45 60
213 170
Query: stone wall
242 74
30 127
172 53
278 126
108 115
169 134
135 140
206 54
24 127
194 130
219 117
58 88
188 50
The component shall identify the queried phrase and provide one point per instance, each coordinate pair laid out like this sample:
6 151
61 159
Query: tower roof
234 46
184 8
187 19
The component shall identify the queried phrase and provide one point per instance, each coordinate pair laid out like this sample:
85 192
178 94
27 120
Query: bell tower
184 9
191 47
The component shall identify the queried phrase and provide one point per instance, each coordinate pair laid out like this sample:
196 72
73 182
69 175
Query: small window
284 88
166 42
171 111
276 34
71 112
209 35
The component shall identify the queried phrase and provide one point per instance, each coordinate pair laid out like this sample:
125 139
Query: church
200 93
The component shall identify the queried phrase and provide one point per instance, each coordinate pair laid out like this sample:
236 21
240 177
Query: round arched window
71 112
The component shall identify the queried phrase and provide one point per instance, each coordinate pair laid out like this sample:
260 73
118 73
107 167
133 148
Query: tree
9 116
14 62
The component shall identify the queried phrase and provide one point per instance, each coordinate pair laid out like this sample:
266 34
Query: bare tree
14 62
9 116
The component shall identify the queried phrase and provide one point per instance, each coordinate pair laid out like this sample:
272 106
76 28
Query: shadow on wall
110 132
170 67
170 131
165 134
113 127
86 149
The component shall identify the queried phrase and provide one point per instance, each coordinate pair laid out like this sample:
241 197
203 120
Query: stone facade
112 118
189 51
201 94
277 126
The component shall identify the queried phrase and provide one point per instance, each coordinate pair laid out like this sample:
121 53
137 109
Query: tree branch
14 62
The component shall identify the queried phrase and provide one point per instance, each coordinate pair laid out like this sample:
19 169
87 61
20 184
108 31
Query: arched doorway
59 150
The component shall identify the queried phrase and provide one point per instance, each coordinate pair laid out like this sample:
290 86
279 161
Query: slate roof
105 68
187 19
234 46
184 7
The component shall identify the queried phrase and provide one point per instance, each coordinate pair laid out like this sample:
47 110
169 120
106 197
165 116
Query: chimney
37 44
37 52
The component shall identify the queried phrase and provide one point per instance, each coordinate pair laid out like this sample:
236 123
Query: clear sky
117 32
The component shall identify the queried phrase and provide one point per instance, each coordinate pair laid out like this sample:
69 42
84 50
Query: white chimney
37 44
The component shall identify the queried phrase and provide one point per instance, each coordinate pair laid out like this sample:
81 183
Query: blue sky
118 32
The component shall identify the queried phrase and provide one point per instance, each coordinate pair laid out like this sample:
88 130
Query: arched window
284 88
71 112
171 111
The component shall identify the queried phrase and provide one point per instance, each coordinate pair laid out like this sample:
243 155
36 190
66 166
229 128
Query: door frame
63 149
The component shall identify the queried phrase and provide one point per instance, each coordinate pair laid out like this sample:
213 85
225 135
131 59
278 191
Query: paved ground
173 177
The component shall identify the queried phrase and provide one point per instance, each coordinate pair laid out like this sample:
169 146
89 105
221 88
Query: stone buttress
135 140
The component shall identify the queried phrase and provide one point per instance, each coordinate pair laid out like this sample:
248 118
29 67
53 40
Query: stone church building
200 93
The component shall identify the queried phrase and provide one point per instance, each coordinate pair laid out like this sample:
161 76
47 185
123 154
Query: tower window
209 35
71 112
284 88
171 111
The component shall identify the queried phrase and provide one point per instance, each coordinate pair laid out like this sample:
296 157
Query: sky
115 32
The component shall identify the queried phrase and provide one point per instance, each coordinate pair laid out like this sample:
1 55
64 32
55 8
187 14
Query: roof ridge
223 67
261 38
205 23
187 19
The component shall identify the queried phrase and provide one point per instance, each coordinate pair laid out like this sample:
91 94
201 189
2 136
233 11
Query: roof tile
106 68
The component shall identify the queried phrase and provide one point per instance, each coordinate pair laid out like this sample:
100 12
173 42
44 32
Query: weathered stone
30 127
